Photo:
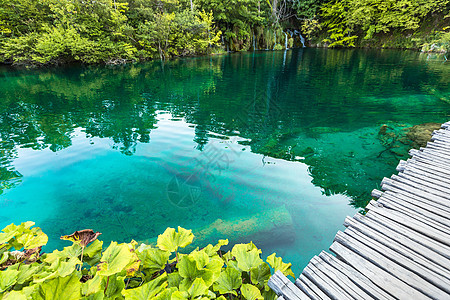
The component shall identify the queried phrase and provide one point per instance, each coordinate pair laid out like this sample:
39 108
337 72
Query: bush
129 270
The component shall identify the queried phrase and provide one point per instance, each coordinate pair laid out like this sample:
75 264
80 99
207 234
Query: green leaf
212 250
26 272
174 279
61 288
15 295
187 268
198 288
179 295
93 249
147 290
166 294
7 279
92 286
279 265
153 259
229 280
260 274
171 240
116 285
4 257
247 256
115 258
251 292
66 253
34 238
200 257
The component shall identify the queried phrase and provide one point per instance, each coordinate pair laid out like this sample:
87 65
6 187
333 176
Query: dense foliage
129 270
349 20
54 31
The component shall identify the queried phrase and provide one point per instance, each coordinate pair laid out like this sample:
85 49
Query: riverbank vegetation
129 270
105 31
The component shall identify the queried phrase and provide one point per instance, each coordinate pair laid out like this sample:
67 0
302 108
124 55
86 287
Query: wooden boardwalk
400 249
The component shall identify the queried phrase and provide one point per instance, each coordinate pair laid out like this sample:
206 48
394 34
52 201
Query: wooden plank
440 137
323 282
340 278
394 264
414 188
431 178
308 287
432 163
401 189
411 223
438 185
436 169
400 254
434 154
412 171
420 218
415 212
284 287
437 146
438 209
356 277
418 237
404 239
443 151
431 159
384 280
427 186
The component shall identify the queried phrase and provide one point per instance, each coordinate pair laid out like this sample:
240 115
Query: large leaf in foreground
171 240
279 265
228 281
152 259
147 290
246 259
7 279
251 292
115 258
61 288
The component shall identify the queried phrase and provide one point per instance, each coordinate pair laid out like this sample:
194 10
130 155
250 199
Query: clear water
274 147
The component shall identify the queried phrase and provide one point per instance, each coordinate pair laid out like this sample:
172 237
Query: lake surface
274 147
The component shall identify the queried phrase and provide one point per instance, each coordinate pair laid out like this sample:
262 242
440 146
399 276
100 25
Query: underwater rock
419 135
272 227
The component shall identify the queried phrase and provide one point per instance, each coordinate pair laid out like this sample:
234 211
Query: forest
39 32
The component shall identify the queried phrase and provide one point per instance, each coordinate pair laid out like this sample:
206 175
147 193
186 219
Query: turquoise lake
273 147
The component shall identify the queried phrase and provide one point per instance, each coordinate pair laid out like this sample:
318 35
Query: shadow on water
323 108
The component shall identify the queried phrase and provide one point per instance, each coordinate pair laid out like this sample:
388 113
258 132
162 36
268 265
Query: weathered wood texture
400 249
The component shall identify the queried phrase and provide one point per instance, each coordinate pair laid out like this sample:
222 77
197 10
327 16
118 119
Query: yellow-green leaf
153 259
198 288
7 279
115 258
246 258
147 290
61 288
279 265
229 280
251 292
171 240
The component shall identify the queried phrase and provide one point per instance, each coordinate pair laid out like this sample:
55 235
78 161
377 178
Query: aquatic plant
129 270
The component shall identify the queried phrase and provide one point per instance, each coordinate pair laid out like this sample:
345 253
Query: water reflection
302 103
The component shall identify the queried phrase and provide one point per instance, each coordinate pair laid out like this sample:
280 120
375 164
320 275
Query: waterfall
275 40
285 41
302 39
254 43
